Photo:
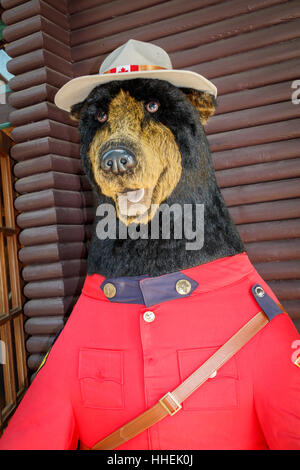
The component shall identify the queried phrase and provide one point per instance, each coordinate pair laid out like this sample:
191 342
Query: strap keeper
169 402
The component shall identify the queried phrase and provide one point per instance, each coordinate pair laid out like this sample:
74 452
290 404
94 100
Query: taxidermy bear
168 284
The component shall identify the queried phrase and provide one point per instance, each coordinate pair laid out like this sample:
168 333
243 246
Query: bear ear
204 102
75 111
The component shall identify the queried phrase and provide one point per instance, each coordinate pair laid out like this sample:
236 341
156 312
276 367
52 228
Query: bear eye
101 116
152 106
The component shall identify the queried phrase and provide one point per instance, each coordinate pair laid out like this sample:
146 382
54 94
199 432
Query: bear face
152 127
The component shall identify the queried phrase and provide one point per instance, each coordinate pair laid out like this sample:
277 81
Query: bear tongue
135 196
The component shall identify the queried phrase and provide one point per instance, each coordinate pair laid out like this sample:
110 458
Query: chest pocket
101 378
217 393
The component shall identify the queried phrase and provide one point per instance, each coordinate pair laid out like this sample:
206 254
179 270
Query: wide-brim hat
134 59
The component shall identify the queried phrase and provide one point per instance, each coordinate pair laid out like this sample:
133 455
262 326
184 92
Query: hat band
134 68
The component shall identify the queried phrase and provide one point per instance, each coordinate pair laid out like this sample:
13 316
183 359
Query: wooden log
277 131
38 40
36 59
44 325
261 172
53 198
276 270
34 361
252 117
54 288
262 153
55 215
238 63
34 7
292 307
60 269
45 128
39 343
274 230
261 212
252 98
276 250
260 192
40 112
114 32
33 24
44 146
259 77
33 95
286 289
52 180
52 233
50 306
38 77
46 163
52 252
193 53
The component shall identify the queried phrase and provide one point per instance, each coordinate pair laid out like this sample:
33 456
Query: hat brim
78 89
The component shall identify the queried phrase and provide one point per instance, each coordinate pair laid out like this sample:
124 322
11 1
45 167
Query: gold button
183 287
109 290
149 316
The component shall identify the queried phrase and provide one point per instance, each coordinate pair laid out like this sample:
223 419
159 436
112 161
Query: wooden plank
33 95
255 154
279 250
274 132
274 230
61 269
260 192
265 211
279 270
262 172
52 233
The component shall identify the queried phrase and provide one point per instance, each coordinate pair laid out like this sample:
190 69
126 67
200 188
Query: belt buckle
170 396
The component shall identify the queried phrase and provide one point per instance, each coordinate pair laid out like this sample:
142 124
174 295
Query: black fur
198 185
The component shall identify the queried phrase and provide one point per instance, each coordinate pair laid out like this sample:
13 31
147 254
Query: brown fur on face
205 104
158 156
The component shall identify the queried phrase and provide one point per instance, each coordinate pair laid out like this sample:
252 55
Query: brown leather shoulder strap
170 403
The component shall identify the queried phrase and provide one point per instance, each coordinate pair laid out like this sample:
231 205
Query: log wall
250 50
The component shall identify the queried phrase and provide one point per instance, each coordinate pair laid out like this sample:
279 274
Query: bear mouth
134 203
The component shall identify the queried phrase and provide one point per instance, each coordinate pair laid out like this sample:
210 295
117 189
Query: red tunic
109 365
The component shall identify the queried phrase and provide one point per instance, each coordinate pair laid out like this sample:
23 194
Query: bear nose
118 161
